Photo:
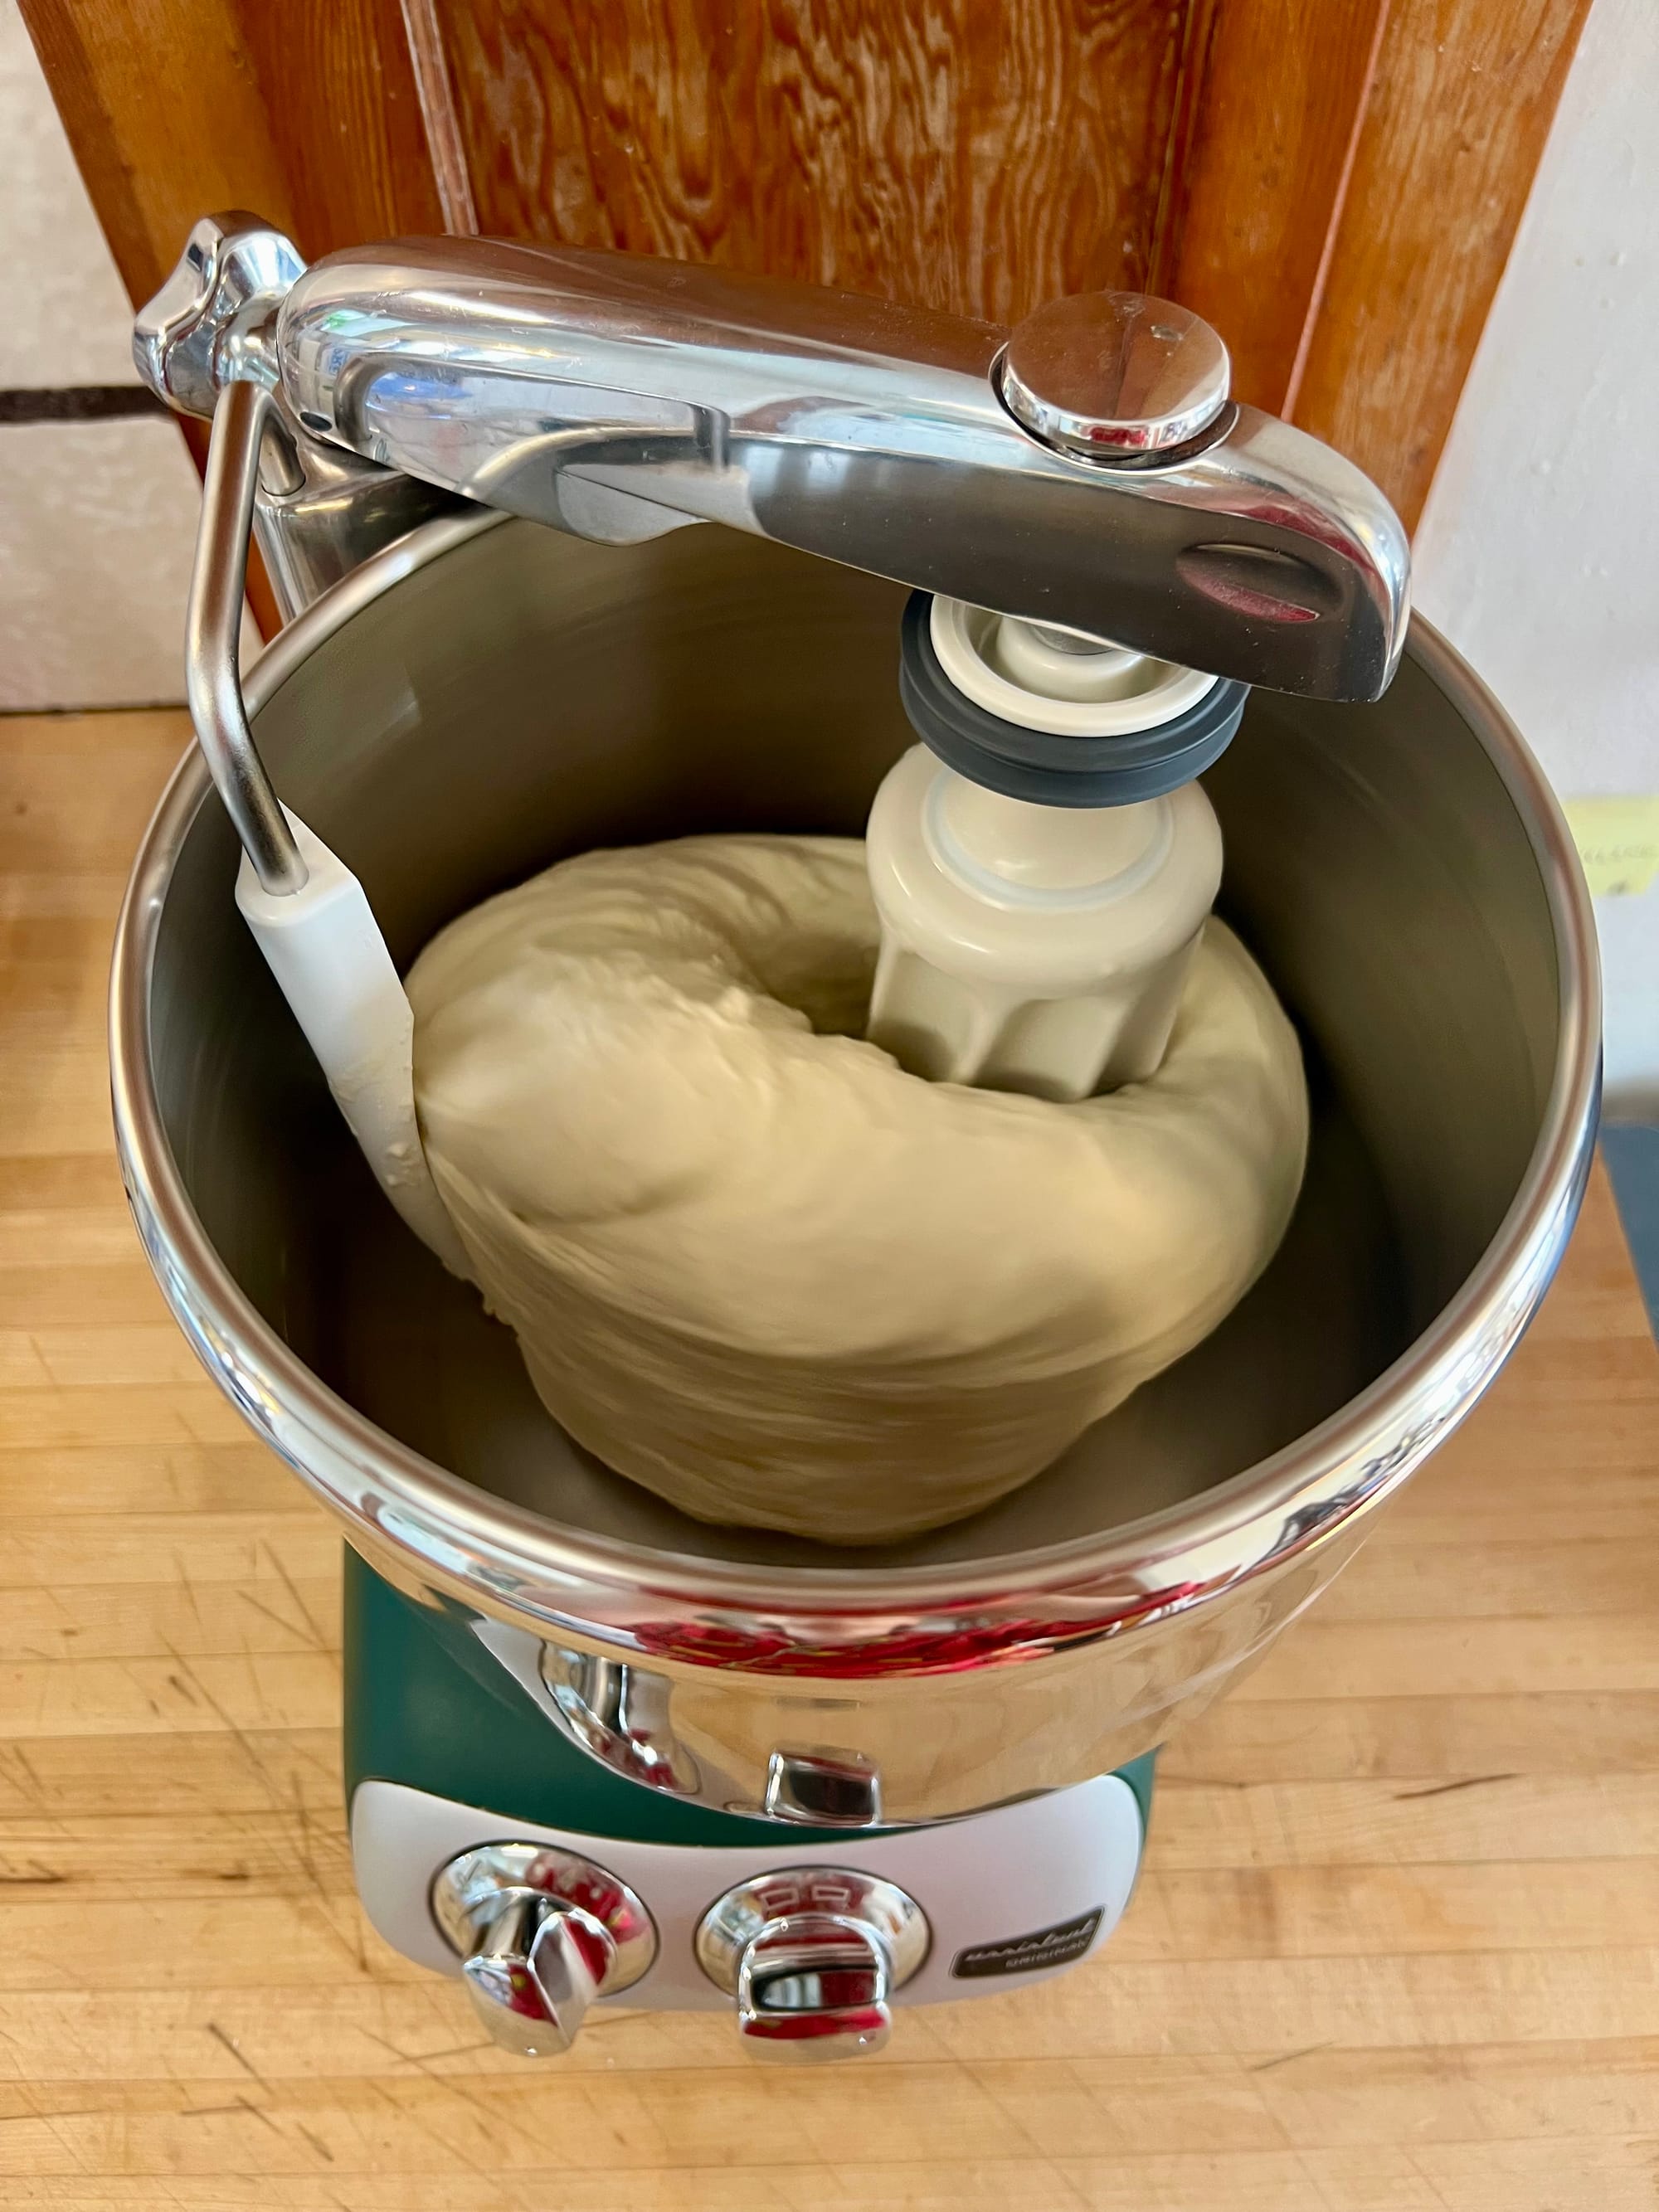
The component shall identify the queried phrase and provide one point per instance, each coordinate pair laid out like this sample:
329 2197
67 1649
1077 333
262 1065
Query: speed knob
540 1934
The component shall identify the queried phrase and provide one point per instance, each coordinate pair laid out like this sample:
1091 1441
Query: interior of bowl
527 696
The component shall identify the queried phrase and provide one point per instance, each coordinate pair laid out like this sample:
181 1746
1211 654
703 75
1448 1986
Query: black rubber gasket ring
1046 768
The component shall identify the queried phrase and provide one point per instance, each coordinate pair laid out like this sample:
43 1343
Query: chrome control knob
813 1955
538 1967
1117 376
210 323
540 1934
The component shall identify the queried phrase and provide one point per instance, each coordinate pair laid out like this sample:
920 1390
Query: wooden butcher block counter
1396 1946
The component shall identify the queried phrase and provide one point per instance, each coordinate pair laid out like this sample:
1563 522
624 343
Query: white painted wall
97 519
1538 551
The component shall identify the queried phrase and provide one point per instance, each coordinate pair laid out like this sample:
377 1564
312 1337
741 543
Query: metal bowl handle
213 626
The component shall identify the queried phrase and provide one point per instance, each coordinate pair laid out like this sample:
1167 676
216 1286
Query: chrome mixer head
1086 470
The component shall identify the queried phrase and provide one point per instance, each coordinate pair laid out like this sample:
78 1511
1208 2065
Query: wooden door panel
1334 183
338 83
979 156
1274 96
1452 134
165 118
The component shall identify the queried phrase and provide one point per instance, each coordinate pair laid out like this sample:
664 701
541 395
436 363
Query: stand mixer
594 1749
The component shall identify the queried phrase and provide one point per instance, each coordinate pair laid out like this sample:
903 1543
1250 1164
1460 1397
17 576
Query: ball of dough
758 1268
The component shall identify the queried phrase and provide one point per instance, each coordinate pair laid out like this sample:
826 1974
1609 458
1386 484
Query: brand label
1029 1954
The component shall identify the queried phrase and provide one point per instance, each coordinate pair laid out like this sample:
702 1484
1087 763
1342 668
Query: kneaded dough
754 1265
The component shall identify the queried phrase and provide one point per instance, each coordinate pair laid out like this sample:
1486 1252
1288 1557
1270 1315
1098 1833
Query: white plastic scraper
325 948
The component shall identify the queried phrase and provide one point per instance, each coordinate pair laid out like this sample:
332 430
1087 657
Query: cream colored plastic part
1040 949
325 948
1046 678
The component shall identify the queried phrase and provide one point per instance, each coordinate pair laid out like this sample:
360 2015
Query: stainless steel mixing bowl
487 697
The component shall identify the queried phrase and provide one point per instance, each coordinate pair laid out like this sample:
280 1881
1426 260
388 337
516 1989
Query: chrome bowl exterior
1034 1649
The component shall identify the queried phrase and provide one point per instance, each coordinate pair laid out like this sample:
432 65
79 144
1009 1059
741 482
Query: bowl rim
446 1534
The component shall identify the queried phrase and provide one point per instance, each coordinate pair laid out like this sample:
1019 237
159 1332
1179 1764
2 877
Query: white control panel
1011 1896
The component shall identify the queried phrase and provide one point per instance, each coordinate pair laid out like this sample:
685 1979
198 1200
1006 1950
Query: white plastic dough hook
1030 942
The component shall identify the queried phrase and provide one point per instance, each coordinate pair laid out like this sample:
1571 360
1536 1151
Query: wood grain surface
1463 100
1334 183
309 115
1396 1948
1273 102
977 158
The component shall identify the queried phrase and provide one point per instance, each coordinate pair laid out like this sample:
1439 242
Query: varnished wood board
1396 1948
1460 104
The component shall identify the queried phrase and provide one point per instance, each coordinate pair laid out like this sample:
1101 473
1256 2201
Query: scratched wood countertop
1396 1948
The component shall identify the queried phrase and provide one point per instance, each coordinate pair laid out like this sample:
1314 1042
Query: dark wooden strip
79 403
445 145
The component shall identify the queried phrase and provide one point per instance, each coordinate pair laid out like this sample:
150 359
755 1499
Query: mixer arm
1087 469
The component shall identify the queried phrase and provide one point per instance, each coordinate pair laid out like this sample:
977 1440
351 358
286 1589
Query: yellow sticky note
1617 841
